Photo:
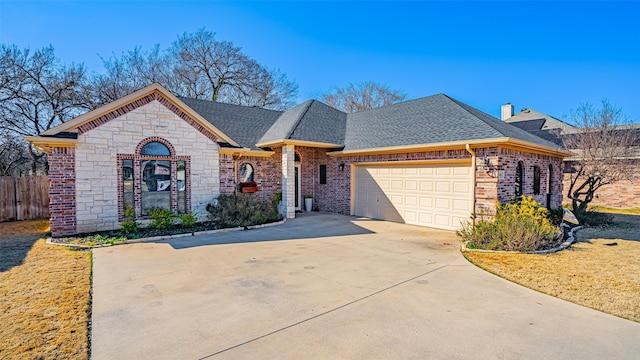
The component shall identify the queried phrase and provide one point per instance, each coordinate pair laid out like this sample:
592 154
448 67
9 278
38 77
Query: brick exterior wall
495 182
96 162
508 160
621 195
62 191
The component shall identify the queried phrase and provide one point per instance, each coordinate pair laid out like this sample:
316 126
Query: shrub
519 226
129 224
188 220
555 215
242 210
162 218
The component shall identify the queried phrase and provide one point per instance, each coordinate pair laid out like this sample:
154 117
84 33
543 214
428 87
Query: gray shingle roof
245 125
549 121
285 124
321 123
433 119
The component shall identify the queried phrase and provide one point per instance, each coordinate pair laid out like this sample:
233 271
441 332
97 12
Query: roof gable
122 106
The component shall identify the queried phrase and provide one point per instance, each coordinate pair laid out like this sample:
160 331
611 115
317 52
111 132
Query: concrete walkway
325 286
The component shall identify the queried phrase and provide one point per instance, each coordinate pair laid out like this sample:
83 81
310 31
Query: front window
154 177
536 180
127 183
246 173
519 179
155 185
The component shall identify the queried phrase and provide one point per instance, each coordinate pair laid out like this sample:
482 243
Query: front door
297 186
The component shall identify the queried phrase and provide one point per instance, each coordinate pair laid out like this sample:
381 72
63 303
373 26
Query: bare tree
131 71
362 96
14 156
604 149
197 66
38 93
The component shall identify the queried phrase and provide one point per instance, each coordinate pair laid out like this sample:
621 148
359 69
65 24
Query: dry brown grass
589 273
44 295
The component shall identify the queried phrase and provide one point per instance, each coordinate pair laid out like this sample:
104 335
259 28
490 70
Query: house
431 161
623 195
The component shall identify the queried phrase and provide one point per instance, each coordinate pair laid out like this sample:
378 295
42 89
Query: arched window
536 180
520 179
155 148
246 172
549 186
154 177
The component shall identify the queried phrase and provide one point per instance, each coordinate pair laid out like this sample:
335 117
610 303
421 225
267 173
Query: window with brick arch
154 177
536 180
519 191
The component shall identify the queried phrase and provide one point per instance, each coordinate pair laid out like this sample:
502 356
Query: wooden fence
24 198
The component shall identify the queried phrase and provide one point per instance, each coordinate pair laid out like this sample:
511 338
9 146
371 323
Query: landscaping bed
44 295
600 271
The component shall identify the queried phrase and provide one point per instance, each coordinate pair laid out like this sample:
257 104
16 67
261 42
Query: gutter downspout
473 180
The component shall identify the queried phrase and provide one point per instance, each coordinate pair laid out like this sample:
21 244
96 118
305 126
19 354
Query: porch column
288 182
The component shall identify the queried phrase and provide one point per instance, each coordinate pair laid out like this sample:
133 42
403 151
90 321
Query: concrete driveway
326 286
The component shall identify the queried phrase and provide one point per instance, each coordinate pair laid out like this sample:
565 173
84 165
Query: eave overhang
316 144
505 142
45 143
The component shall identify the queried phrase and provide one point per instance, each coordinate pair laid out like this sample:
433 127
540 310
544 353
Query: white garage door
429 195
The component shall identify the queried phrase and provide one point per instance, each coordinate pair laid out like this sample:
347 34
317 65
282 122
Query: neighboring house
431 161
623 194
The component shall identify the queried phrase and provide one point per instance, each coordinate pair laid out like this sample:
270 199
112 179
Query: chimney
507 111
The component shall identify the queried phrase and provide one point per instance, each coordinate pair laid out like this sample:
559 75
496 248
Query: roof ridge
394 104
299 118
460 104
228 104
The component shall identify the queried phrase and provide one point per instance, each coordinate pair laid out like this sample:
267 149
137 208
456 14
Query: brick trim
62 191
163 141
137 176
154 96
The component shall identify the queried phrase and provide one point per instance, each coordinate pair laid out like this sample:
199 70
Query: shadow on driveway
317 225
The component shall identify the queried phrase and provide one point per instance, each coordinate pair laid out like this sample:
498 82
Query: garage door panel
461 170
460 205
461 187
426 202
443 186
411 185
426 171
410 200
435 195
426 186
444 204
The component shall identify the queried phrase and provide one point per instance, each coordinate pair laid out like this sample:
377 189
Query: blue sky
549 56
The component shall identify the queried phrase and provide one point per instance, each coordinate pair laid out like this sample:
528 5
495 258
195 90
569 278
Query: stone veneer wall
62 191
96 161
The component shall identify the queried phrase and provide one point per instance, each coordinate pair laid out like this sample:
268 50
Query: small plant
308 196
277 197
519 226
188 220
129 224
162 218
